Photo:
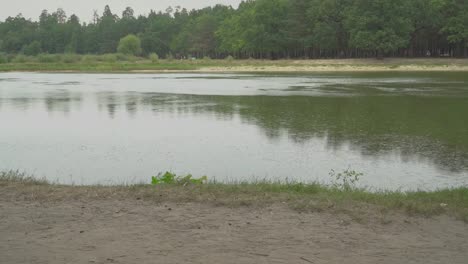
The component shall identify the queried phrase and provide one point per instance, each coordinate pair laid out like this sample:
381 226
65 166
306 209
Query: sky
84 8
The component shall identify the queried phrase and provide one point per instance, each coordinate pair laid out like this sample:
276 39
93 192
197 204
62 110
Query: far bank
109 63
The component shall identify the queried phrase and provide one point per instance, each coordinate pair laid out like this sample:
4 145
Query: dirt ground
137 231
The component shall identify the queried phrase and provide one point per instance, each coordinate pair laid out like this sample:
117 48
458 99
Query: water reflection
419 120
62 101
433 128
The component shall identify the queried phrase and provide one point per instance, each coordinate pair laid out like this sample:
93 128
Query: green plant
229 58
169 57
130 45
345 180
89 58
33 49
48 58
3 58
20 58
70 58
154 57
172 178
108 57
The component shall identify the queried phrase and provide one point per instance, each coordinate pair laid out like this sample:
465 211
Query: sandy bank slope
137 231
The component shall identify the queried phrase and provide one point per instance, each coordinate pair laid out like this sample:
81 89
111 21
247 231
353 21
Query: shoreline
246 66
228 223
296 196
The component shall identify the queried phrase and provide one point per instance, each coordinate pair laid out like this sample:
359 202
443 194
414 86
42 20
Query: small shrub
230 58
207 58
3 58
89 58
169 57
345 180
172 178
48 58
10 57
124 57
109 57
20 58
154 58
33 49
71 58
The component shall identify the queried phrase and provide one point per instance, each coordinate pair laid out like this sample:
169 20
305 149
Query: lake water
402 130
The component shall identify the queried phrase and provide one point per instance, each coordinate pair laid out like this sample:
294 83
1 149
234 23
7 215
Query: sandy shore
333 68
83 229
250 66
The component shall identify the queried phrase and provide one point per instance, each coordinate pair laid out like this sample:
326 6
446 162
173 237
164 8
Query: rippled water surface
402 130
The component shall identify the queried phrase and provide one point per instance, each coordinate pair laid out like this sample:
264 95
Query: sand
138 231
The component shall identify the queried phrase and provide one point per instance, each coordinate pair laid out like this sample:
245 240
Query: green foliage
229 58
3 58
154 57
20 58
49 58
32 49
71 58
171 178
169 57
345 180
379 25
130 45
258 29
456 26
108 57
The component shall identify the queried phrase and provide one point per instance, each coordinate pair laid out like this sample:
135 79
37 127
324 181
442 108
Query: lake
402 130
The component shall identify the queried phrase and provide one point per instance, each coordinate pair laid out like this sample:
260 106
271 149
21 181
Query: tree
130 45
456 25
258 29
328 32
380 26
32 49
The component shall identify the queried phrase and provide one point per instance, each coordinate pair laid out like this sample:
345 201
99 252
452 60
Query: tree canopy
256 28
130 45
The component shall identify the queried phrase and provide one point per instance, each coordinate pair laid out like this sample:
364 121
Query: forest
258 29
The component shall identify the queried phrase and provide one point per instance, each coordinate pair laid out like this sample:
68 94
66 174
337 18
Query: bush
125 57
89 58
3 58
229 58
48 58
154 57
71 58
33 49
169 57
130 45
20 58
207 58
108 57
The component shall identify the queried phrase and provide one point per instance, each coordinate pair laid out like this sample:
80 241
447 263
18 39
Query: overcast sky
84 8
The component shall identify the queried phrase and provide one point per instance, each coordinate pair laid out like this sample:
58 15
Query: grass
125 63
301 197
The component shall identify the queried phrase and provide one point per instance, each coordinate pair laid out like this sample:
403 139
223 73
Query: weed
345 180
172 178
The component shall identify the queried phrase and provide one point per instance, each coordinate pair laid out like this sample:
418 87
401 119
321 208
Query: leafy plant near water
345 180
172 178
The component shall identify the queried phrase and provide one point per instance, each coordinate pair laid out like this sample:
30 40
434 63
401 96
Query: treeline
257 29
